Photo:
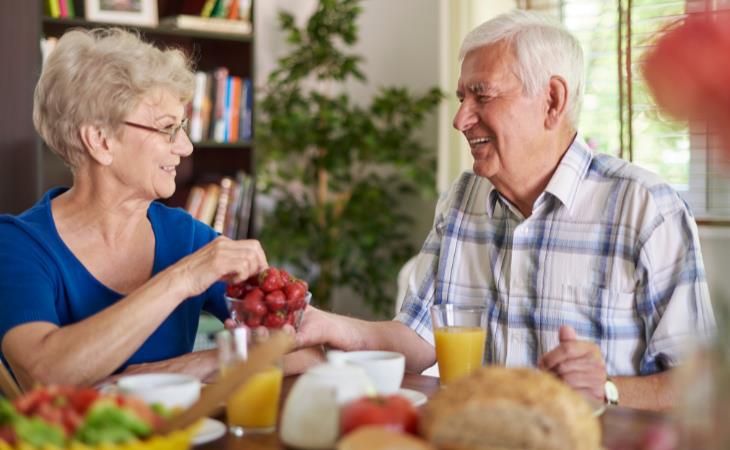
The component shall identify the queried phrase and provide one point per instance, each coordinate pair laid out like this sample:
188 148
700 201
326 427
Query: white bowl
384 368
172 390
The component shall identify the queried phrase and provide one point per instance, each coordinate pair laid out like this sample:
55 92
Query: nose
465 117
182 145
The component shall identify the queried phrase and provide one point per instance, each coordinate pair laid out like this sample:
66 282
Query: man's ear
557 101
96 142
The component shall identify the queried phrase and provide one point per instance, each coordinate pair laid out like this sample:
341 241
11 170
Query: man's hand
578 363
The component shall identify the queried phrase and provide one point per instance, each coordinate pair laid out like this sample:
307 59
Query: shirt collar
565 181
570 172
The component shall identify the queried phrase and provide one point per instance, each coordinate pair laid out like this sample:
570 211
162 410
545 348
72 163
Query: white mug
384 368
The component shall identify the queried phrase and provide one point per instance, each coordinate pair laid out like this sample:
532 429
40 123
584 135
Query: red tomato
393 411
82 398
7 434
29 403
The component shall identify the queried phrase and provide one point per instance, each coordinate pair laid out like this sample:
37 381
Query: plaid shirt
609 249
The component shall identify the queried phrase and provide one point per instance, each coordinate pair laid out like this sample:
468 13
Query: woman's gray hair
97 77
542 48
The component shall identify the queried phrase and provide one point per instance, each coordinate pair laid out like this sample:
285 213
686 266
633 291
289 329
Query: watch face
611 392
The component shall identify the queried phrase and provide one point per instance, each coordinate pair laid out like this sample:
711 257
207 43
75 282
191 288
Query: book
222 207
196 114
207 8
212 24
218 120
210 202
195 201
53 8
235 109
245 208
245 129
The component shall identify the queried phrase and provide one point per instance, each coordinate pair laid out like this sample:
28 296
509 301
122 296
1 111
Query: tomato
82 398
275 320
29 403
393 411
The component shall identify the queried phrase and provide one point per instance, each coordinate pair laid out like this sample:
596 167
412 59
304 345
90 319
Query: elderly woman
99 278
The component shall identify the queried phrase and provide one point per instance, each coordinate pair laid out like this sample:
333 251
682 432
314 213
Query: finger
288 329
229 324
567 333
565 351
584 380
579 365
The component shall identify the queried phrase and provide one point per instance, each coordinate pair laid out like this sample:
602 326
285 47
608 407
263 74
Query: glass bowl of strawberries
271 299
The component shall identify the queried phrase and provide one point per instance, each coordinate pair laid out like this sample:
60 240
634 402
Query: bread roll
497 408
381 438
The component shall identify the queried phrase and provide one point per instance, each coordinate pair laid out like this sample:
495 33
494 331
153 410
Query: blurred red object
688 71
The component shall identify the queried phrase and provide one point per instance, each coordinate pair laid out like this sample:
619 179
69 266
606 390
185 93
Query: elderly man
590 266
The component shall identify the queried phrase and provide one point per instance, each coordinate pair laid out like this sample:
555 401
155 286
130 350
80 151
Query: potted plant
338 170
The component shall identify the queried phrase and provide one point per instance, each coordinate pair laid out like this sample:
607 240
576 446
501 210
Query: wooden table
622 427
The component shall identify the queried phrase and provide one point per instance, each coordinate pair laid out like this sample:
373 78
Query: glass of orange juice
460 335
254 407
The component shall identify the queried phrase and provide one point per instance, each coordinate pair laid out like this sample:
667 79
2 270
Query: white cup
172 390
385 369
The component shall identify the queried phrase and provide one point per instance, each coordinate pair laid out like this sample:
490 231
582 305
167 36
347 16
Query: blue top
42 280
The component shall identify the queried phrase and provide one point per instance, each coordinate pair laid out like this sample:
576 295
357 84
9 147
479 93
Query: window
619 116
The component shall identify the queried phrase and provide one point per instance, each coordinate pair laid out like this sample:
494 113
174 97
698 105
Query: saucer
210 431
415 397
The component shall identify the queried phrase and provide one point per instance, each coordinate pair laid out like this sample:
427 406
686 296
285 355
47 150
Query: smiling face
504 127
145 160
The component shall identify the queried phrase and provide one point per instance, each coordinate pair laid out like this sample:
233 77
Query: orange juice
459 350
255 405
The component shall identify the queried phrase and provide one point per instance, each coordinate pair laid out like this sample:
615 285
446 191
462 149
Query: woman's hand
221 259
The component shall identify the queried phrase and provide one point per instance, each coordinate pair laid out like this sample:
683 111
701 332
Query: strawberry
295 291
275 301
255 294
254 307
253 321
235 290
275 320
271 280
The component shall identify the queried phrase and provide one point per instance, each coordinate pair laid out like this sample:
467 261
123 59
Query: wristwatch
610 392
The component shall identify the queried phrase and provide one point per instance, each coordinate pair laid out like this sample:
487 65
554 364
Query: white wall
399 40
715 244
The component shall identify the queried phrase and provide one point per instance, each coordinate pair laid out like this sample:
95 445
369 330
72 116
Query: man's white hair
542 47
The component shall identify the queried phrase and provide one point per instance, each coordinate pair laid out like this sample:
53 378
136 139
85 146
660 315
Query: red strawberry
253 307
275 301
275 320
253 280
291 318
253 321
255 294
82 398
235 290
295 291
270 280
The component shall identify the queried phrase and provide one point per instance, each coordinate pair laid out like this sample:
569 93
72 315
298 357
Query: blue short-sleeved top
42 280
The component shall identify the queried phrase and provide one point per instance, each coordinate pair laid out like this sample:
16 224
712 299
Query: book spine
221 78
227 113
196 116
70 10
222 207
235 108
53 9
62 9
208 8
247 110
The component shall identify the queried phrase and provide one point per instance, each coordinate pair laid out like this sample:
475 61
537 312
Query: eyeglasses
170 131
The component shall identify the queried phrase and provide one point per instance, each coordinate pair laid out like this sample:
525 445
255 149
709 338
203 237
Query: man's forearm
395 336
655 392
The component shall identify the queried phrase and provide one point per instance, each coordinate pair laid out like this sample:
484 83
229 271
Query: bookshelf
41 170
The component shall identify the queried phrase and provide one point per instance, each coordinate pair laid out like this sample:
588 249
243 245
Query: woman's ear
557 101
96 142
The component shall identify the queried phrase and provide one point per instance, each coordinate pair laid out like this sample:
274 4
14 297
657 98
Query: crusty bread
497 408
381 438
